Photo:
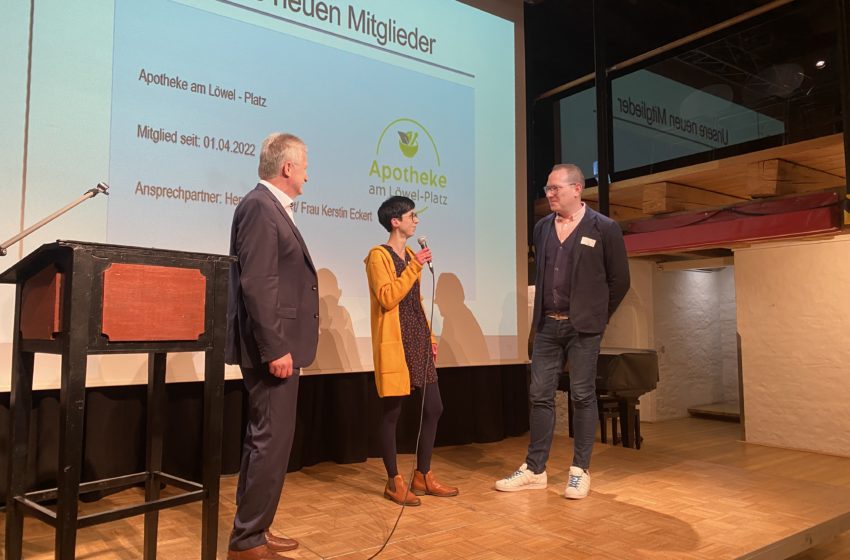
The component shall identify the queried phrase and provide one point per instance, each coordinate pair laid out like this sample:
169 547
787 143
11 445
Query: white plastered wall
695 337
793 313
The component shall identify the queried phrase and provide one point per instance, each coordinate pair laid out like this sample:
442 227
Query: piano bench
609 410
629 427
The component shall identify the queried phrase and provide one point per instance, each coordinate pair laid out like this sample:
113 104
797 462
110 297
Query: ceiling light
820 64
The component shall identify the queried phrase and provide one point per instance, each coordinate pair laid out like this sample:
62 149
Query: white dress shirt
282 197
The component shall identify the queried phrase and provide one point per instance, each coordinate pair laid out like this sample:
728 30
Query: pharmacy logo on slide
408 143
411 135
413 142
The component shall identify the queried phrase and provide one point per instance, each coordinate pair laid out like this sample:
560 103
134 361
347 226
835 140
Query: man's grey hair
278 148
574 174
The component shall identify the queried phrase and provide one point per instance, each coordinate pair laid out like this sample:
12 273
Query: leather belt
558 316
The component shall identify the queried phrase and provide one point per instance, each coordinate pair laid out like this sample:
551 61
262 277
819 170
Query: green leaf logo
408 143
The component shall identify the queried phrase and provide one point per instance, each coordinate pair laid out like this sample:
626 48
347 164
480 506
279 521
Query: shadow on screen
462 341
337 345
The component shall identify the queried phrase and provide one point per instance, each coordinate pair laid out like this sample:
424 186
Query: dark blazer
273 303
600 273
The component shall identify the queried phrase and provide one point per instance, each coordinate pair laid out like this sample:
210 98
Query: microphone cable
419 432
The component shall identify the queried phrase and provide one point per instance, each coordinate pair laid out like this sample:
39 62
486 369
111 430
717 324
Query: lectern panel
147 303
40 305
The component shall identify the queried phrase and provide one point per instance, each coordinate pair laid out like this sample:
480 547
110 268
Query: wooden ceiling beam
625 203
777 177
619 213
666 196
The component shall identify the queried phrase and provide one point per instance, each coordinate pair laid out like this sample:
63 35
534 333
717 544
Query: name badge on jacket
588 241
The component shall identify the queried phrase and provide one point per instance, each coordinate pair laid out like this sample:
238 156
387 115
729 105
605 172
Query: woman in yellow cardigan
403 349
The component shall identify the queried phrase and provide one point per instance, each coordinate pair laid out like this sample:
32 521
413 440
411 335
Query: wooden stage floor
693 491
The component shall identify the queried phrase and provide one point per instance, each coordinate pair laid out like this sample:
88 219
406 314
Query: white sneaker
522 479
578 485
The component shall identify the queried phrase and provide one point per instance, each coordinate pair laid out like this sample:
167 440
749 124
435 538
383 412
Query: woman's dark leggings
389 422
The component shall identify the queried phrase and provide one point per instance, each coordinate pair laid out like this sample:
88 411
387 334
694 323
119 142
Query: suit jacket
273 303
600 271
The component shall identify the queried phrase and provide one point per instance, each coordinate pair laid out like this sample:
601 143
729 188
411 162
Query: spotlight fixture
820 64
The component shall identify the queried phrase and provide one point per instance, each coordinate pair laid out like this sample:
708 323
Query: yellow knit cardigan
386 290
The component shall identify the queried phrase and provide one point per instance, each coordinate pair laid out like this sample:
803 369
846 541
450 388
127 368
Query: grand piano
622 374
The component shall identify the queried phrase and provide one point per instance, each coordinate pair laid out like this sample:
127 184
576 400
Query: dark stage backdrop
337 421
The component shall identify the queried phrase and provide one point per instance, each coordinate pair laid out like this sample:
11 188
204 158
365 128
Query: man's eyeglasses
555 188
412 215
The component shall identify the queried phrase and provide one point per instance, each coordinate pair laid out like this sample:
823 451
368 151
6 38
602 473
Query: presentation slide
168 101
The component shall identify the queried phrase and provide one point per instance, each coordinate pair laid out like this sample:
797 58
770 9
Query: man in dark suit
582 276
273 326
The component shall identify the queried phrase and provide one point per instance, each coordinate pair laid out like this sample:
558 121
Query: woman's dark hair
394 207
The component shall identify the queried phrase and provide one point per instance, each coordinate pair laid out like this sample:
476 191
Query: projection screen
168 102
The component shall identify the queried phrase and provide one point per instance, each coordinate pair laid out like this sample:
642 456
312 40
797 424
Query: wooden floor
692 491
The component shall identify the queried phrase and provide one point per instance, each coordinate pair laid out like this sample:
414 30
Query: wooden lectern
76 299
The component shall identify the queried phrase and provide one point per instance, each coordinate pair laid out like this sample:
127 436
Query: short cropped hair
394 207
278 148
574 174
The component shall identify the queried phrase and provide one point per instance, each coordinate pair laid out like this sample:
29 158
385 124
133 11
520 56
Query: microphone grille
423 241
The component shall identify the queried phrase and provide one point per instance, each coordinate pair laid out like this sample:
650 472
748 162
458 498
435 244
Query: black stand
77 299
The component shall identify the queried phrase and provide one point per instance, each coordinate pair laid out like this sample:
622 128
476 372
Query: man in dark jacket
582 276
273 326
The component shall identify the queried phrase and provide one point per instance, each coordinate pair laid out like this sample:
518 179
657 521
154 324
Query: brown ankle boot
396 489
428 484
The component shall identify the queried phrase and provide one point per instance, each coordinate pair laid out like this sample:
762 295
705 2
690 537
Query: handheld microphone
423 242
